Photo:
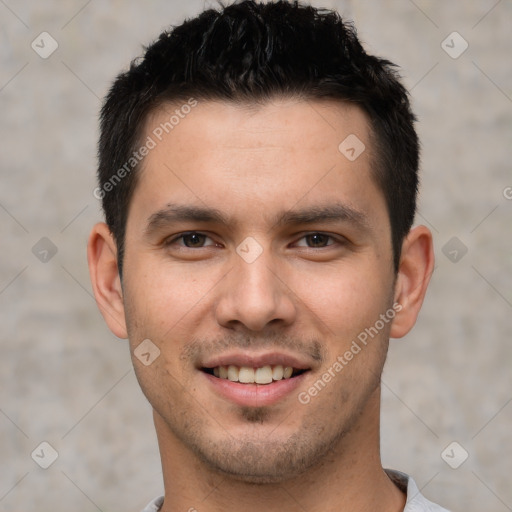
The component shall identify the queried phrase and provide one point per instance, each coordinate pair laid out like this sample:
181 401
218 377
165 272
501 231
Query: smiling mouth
247 375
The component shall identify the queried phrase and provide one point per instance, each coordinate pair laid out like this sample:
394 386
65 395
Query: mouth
255 380
248 375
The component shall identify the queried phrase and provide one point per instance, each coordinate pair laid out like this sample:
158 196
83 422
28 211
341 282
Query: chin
266 476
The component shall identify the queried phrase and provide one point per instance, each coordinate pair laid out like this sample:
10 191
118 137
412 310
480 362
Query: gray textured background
65 379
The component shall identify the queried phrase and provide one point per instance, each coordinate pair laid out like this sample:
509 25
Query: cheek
162 305
345 300
163 299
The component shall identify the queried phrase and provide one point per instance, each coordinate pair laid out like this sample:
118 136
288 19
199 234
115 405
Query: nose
254 296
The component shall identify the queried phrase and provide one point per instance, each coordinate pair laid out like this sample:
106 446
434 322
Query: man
258 173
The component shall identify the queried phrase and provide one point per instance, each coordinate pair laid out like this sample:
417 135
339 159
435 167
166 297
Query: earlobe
415 270
106 282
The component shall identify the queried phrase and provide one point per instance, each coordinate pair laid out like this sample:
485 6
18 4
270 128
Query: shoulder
416 502
155 505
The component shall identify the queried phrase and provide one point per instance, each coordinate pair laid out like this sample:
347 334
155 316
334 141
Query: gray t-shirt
416 502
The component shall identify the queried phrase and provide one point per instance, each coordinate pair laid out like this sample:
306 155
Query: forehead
247 159
281 124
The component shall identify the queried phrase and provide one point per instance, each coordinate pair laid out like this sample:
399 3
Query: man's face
252 240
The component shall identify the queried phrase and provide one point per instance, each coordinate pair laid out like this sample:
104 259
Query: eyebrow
184 213
337 212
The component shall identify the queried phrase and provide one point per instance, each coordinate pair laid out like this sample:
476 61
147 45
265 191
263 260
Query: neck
350 478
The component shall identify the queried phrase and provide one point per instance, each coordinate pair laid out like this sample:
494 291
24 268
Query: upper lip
257 360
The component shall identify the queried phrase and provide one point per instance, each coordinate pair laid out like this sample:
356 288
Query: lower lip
255 395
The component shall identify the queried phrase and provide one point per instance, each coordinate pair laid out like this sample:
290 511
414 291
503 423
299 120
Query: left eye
315 240
194 240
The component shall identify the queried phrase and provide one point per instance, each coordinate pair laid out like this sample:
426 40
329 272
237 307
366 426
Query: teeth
247 375
233 373
288 372
277 372
263 375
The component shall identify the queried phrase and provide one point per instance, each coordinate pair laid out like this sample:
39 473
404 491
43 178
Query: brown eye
190 240
315 241
193 240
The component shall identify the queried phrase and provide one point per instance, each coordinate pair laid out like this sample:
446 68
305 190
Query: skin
306 294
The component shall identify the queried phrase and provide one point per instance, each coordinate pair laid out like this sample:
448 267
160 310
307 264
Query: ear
416 267
106 282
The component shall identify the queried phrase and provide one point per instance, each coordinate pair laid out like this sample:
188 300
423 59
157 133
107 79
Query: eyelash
181 236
